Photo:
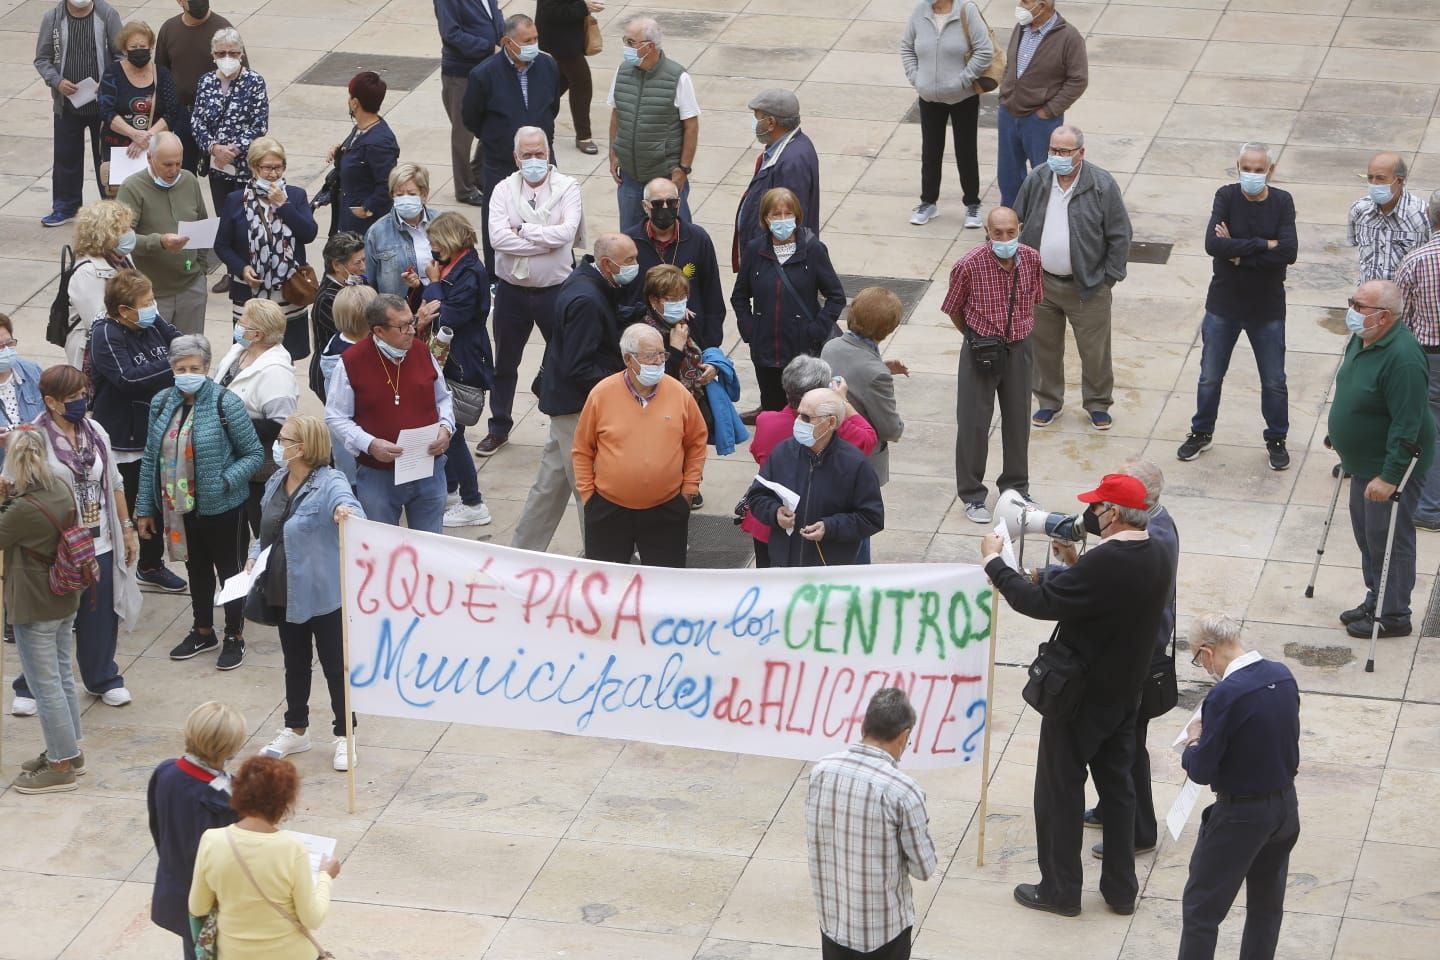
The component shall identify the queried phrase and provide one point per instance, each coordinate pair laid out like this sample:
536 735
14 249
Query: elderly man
840 504
470 32
866 834
1246 747
639 456
994 290
788 160
1378 422
520 88
74 46
662 238
582 349
160 198
1072 212
1389 221
183 47
1251 239
1419 281
1109 605
654 121
1045 73
375 394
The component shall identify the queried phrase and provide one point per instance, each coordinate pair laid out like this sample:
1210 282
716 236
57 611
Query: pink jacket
773 426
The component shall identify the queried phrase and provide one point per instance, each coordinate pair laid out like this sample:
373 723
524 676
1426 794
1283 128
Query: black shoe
1356 614
1389 627
1124 909
1098 852
161 578
1028 895
1194 445
232 654
697 501
195 643
1279 456
1092 817
474 198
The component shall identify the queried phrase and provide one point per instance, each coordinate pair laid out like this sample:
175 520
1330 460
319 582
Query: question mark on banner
968 746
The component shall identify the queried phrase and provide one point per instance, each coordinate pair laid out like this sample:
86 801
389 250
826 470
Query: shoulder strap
1010 310
790 289
245 869
48 515
220 408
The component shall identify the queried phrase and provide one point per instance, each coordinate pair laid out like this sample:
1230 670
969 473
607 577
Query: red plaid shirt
980 292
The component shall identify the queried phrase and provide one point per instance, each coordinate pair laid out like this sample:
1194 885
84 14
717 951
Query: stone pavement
470 843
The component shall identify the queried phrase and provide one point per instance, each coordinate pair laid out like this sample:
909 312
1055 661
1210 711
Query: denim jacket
389 252
26 376
312 542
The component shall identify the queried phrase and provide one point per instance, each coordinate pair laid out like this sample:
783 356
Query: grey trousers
466 158
1370 522
1090 319
554 484
975 394
186 309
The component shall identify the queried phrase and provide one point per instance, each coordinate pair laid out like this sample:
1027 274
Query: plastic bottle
440 345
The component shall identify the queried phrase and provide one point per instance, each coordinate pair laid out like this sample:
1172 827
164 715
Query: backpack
61 322
74 568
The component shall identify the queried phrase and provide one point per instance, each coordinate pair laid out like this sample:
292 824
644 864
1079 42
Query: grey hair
377 311
1214 630
1074 131
1390 297
160 139
515 21
1255 146
786 123
1136 517
607 244
226 35
1148 474
1402 169
630 338
803 374
524 132
649 28
1434 208
647 194
888 715
190 345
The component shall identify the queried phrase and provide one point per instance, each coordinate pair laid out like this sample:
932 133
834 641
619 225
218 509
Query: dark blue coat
694 253
1249 732
181 809
232 241
464 295
584 344
128 367
837 485
469 32
777 327
365 169
797 169
494 108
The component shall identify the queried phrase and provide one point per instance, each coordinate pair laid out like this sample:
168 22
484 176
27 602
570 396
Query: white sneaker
977 512
286 742
342 754
462 515
972 217
116 697
24 707
452 499
924 214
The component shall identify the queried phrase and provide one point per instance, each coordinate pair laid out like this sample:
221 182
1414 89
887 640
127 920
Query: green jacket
1381 401
648 129
156 212
24 528
227 453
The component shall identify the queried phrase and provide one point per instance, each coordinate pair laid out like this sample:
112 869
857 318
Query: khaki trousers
1090 321
554 485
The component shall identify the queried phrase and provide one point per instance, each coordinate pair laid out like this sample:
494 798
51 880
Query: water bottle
440 345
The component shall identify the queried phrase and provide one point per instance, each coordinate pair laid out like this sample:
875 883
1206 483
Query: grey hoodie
943 64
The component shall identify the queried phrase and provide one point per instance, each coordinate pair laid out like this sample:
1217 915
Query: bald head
662 188
1002 224
613 252
166 154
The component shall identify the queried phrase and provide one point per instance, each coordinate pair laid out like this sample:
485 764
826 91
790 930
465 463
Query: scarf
79 458
532 214
272 244
177 479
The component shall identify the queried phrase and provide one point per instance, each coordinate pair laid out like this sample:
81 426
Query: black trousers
1147 831
964 119
1246 842
517 311
615 533
295 645
772 393
1102 738
214 547
897 949
152 551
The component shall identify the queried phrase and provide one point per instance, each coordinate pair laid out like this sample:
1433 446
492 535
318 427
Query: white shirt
685 100
1243 661
1055 238
96 476
340 405
421 239
540 251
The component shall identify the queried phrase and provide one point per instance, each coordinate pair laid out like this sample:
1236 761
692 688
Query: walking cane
1338 472
1414 450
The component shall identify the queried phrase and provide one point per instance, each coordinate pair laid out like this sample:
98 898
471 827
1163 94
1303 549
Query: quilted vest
649 133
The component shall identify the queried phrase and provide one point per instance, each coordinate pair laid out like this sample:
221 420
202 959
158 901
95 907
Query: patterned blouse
236 116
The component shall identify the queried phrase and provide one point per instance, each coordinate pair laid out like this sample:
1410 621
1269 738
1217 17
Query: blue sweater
226 455
494 107
720 394
181 807
128 366
1249 732
469 31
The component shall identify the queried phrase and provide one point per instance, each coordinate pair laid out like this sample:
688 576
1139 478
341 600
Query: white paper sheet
787 496
122 166
1178 744
1181 809
318 847
85 92
1007 549
199 234
416 463
239 585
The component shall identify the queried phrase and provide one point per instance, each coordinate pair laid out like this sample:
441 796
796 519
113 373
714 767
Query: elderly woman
37 507
397 248
667 293
365 160
801 375
231 111
351 328
344 257
137 97
264 227
199 457
303 506
263 793
130 364
103 243
783 276
258 370
186 797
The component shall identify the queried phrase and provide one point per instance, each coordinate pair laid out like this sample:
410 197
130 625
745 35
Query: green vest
649 131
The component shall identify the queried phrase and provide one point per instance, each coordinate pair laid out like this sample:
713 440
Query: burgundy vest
376 411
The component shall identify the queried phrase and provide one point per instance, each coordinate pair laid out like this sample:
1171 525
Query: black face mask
664 217
199 9
139 57
1092 522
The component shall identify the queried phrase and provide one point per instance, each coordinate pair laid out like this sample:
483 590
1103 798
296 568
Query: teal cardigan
226 455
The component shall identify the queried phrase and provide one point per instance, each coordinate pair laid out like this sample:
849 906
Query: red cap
1117 488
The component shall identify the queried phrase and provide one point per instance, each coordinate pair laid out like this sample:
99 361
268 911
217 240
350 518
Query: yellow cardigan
251 929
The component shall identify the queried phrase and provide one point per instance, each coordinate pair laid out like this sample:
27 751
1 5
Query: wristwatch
683 169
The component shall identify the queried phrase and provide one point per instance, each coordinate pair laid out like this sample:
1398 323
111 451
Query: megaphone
1021 516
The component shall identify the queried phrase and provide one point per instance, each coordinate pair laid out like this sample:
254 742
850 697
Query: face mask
277 453
190 383
229 66
630 56
755 128
1023 16
409 207
394 353
7 359
162 183
199 9
1355 321
664 217
533 169
139 57
354 279
1253 184
1061 166
804 433
782 230
1381 193
239 333
650 374
1092 522
528 52
74 410
1005 249
674 311
626 275
126 244
146 316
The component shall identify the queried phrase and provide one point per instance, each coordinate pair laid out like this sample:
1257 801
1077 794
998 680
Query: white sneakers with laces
286 742
342 754
462 515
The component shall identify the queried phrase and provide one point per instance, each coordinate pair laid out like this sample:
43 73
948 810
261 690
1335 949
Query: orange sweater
639 457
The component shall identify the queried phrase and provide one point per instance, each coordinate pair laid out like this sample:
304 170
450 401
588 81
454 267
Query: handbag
1056 679
205 933
987 353
258 608
302 286
594 39
1161 690
468 402
320 952
991 76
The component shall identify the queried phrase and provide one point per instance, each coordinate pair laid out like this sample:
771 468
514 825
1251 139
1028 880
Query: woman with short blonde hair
263 322
397 245
103 243
262 148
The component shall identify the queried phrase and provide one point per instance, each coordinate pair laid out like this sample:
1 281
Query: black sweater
1253 289
1109 606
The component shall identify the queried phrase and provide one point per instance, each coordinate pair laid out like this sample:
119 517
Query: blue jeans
629 194
1267 341
1022 140
1428 510
460 469
97 628
67 180
422 501
47 657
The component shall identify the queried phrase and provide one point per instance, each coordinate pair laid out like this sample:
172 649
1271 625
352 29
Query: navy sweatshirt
469 32
1255 288
1249 732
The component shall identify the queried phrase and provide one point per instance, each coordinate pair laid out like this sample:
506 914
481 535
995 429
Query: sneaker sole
192 656
161 587
468 523
266 752
1195 454
233 666
79 771
26 713
981 520
1042 424
57 788
489 453
1101 427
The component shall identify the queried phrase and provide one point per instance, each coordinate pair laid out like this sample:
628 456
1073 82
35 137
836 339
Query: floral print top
235 116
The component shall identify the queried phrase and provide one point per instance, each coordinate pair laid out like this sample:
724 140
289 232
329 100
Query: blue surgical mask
277 453
261 185
1354 321
126 244
394 353
7 359
1005 249
1381 193
626 275
146 316
190 383
630 56
650 374
239 334
74 410
1060 166
782 230
165 184
528 52
804 433
408 206
674 311
533 169
1252 183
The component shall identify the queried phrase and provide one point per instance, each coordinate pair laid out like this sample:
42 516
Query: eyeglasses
1357 305
287 439
407 325
1195 660
635 44
4 344
237 54
811 417
269 168
1065 151
650 357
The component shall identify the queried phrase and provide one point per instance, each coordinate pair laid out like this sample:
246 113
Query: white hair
1150 476
525 132
1074 131
630 339
649 29
648 194
1214 630
227 35
1255 146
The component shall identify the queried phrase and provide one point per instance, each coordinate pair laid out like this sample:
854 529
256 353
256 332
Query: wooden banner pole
345 641
995 601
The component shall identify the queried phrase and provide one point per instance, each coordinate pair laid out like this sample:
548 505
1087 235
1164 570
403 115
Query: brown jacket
1056 77
24 528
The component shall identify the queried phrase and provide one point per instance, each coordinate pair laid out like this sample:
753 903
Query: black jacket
777 327
584 344
837 485
693 253
128 367
494 108
561 25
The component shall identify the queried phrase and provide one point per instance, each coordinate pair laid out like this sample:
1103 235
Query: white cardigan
87 301
268 386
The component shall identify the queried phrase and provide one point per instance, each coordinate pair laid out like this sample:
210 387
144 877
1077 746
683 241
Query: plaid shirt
866 833
1419 280
980 292
1384 239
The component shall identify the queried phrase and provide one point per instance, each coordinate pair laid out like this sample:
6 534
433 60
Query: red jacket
773 426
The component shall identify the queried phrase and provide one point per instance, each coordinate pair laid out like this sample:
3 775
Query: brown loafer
222 285
586 146
750 416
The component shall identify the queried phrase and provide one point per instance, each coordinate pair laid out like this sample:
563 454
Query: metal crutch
1339 474
1414 450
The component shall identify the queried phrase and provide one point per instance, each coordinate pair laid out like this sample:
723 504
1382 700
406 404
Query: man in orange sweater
639 455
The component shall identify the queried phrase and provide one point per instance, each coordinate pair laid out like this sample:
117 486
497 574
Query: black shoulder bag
258 608
1056 681
988 353
1161 691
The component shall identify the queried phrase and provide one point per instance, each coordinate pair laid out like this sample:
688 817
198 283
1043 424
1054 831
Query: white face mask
228 66
1023 16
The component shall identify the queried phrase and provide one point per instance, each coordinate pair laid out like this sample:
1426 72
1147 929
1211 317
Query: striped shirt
523 72
1030 42
1419 280
866 834
1385 238
81 60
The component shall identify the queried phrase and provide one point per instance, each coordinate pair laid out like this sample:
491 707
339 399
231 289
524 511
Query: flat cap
781 104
